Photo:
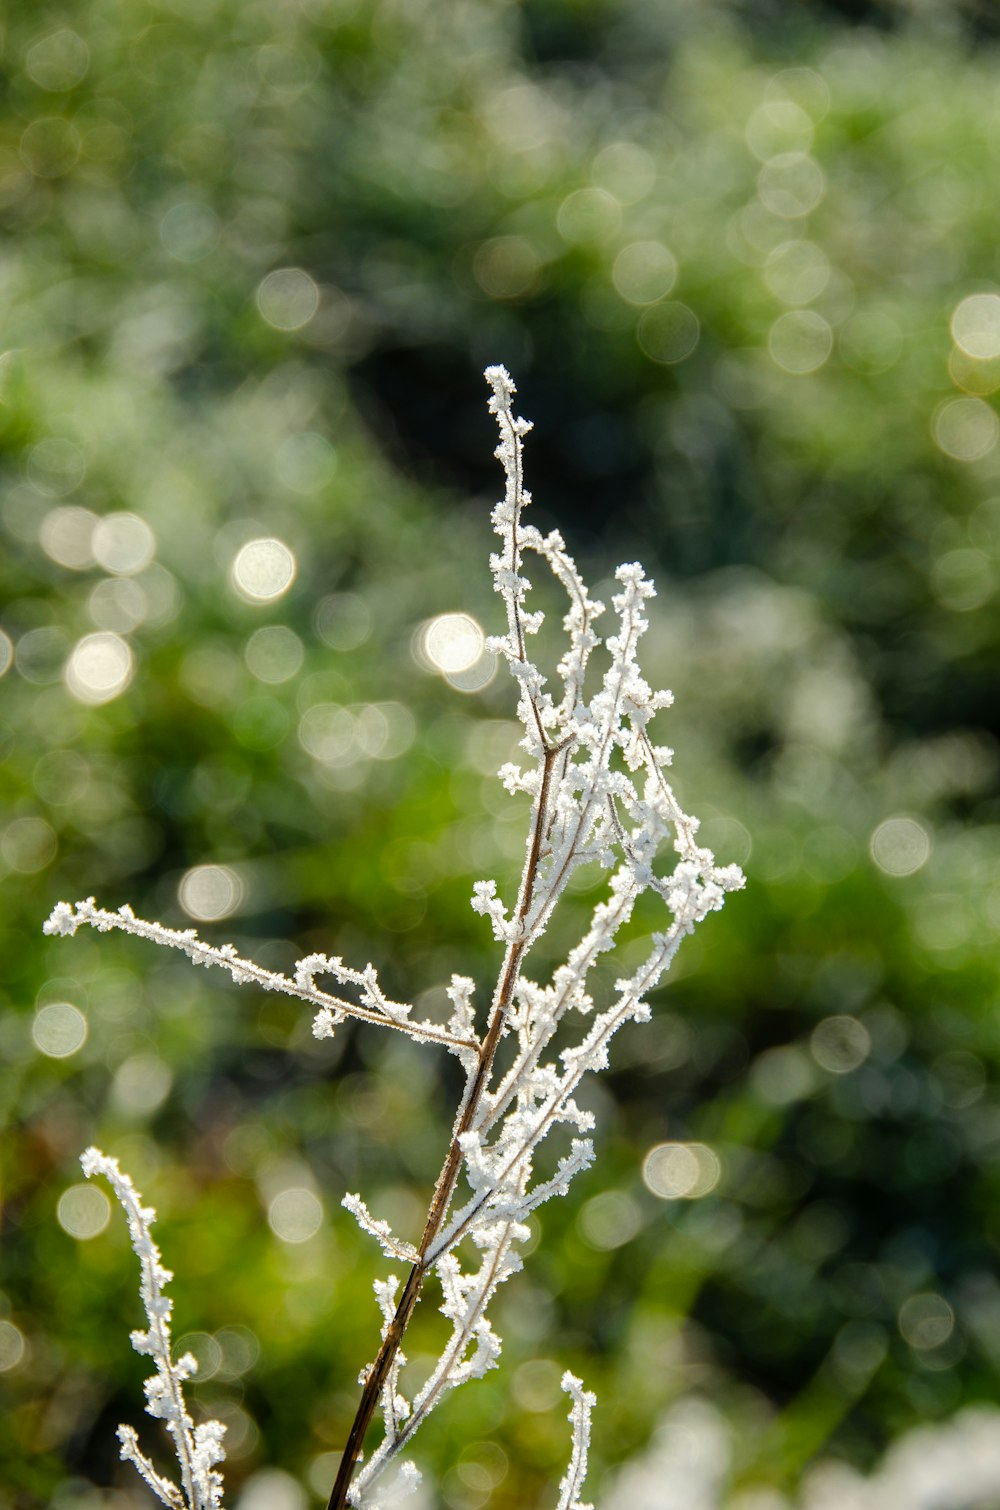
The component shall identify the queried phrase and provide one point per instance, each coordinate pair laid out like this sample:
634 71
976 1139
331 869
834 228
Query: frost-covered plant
598 792
198 1448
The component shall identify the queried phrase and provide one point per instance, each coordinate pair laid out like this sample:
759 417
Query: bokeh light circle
840 1044
123 543
900 846
588 217
800 341
287 298
58 61
964 579
343 621
778 125
210 892
28 845
189 230
263 570
12 1346
609 1220
50 147
83 1211
507 267
926 1321
141 1085
305 462
55 466
451 643
40 655
805 86
271 1489
118 604
475 677
100 667
295 1215
59 1030
782 1074
644 271
327 733
676 1171
966 429
274 654
975 326
66 536
797 271
667 333
791 184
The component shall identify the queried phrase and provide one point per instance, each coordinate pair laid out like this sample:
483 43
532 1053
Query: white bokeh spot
263 570
100 667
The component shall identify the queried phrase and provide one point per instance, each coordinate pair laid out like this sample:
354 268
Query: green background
721 249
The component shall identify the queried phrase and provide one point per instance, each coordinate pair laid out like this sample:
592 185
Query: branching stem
445 1187
598 794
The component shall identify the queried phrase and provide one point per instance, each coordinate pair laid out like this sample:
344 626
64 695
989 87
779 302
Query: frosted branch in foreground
579 1415
599 793
198 1448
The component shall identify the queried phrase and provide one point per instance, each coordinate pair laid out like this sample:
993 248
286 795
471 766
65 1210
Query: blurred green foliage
255 256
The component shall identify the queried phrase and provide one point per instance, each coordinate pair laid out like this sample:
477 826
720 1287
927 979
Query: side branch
66 920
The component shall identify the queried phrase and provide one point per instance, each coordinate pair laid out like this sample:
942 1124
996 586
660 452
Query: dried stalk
445 1187
588 803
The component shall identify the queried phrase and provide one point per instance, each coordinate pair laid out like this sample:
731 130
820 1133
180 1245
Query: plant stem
447 1179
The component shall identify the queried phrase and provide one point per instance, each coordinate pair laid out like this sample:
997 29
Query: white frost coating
198 1448
375 1007
391 1246
406 1482
579 1416
599 793
486 902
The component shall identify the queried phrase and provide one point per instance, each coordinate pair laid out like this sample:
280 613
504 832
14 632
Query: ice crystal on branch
198 1448
583 1403
374 1006
599 793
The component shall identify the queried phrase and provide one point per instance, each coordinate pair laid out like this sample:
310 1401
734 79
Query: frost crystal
599 792
198 1448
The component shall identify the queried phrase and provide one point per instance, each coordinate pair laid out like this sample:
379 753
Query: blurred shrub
255 257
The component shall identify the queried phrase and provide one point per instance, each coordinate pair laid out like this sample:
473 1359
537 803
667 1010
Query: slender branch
517 497
533 1050
199 1449
600 1035
445 1187
66 920
453 1352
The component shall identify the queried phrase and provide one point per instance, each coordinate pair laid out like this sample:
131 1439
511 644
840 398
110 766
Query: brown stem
444 1189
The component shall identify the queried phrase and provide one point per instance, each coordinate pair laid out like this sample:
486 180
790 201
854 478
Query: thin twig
445 1187
66 919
